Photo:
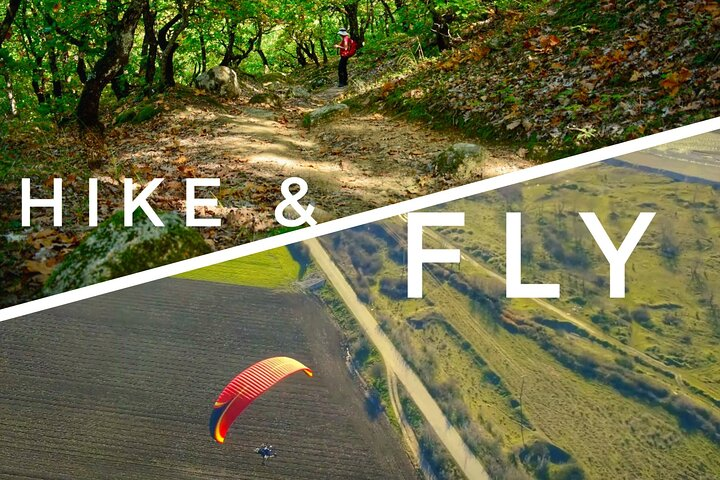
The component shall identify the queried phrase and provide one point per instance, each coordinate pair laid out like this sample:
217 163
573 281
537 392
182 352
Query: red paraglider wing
246 387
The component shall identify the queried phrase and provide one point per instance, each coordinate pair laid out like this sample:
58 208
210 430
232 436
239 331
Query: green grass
269 269
477 369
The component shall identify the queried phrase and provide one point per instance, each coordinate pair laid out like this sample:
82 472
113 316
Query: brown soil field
122 386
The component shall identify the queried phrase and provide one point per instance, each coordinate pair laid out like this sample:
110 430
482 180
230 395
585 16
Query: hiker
347 47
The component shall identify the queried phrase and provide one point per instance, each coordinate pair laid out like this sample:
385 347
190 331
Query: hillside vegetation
557 77
584 386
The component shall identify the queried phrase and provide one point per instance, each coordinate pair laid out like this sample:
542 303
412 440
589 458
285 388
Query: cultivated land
582 387
122 385
270 269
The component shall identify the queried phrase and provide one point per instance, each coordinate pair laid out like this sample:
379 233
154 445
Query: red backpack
352 48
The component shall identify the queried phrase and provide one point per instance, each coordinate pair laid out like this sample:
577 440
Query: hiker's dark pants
342 71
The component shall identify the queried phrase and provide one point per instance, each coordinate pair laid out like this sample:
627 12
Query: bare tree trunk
38 81
230 58
117 53
120 86
230 46
81 68
441 25
322 43
351 15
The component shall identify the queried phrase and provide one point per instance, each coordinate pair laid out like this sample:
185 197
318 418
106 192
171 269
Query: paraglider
266 451
248 386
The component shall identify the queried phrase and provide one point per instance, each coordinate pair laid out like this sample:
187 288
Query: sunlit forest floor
355 163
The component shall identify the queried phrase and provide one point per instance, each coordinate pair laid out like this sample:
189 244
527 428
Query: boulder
267 98
319 82
113 250
325 114
222 81
297 92
462 158
272 77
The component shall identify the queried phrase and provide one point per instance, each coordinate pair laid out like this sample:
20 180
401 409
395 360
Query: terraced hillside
122 386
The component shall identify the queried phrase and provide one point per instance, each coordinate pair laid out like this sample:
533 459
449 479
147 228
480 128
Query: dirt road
434 416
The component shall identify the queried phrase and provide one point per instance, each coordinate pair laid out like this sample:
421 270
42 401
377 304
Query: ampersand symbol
304 214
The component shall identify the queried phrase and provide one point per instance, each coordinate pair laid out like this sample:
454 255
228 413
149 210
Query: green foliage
54 49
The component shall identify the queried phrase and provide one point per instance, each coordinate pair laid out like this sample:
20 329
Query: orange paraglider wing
246 387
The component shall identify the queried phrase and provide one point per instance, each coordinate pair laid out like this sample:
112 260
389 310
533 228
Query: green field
670 312
270 269
627 389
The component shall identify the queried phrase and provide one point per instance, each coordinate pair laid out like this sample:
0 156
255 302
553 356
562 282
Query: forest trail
354 163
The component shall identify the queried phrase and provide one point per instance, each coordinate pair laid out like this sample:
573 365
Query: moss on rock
325 114
460 158
113 250
137 114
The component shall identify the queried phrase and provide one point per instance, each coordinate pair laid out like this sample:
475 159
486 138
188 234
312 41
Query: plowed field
122 385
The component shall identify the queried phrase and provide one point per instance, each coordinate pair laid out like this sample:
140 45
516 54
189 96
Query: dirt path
355 163
437 420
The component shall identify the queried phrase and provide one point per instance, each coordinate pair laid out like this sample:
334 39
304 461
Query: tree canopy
57 58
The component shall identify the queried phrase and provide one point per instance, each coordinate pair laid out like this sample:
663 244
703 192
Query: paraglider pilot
265 451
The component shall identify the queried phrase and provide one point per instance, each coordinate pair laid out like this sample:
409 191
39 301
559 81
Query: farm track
123 384
446 432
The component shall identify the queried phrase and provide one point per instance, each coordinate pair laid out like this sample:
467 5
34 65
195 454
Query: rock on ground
297 92
325 114
113 250
460 158
222 81
268 98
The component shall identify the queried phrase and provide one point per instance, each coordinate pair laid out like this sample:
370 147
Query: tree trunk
203 53
81 68
57 85
313 56
351 15
170 45
259 49
324 51
441 25
10 94
38 82
227 58
6 25
120 86
322 43
167 67
150 44
302 61
230 58
114 59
